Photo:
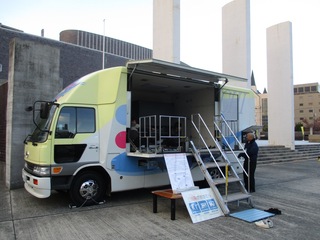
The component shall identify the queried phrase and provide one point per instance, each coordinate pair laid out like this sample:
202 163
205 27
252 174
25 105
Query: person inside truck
252 150
134 133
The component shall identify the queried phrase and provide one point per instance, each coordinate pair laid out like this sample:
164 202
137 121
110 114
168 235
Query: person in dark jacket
252 150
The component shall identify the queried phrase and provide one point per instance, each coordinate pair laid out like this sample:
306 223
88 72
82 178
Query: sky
200 28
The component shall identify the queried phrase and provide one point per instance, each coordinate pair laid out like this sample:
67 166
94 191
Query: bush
298 126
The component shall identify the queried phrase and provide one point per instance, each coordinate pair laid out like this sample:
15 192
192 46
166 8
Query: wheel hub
88 189
215 173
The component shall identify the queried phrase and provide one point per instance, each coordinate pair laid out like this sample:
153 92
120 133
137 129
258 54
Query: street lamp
103 43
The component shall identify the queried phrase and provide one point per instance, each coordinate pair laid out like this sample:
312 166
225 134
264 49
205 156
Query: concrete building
112 46
257 103
306 104
264 109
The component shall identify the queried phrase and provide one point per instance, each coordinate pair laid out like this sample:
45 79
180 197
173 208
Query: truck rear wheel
215 173
88 188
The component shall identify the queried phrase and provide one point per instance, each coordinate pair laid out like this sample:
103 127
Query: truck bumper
38 187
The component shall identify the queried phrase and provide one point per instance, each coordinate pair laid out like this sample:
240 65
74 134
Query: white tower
280 85
166 30
236 44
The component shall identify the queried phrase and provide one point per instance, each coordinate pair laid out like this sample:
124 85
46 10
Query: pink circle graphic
121 139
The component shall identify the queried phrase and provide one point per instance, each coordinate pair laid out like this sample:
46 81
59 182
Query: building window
313 88
300 89
264 120
301 104
295 90
307 89
264 105
301 111
310 110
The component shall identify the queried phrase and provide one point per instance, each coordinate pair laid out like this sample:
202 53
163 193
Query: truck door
229 106
76 136
230 110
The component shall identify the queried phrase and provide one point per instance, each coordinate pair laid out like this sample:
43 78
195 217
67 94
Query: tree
298 126
315 124
265 128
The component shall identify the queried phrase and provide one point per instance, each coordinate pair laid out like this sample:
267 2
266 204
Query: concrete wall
3 107
3 114
236 43
166 30
75 61
33 75
280 85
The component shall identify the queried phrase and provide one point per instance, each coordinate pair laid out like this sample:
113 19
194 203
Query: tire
214 173
88 188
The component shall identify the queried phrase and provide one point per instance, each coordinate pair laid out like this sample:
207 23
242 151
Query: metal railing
148 134
197 122
172 128
225 141
156 133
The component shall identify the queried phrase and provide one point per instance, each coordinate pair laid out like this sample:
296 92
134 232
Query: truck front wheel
88 188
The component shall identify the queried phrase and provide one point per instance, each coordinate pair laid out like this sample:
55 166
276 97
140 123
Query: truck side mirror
44 110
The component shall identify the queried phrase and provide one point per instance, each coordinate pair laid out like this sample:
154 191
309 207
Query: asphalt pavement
292 187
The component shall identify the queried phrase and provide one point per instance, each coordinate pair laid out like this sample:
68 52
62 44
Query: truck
84 142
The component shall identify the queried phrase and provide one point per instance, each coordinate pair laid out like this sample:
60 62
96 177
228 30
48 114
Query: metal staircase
229 187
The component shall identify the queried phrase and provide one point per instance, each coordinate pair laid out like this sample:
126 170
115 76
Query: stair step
232 197
214 165
269 154
223 181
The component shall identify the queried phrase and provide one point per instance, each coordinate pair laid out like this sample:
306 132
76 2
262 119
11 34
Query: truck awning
160 68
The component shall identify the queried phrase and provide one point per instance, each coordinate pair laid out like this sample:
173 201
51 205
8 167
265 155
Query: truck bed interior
164 96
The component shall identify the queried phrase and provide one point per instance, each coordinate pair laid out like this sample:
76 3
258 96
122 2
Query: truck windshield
40 134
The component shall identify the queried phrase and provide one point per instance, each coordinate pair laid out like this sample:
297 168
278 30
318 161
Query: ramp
251 215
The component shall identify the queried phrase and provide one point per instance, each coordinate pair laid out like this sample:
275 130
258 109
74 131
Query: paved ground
292 187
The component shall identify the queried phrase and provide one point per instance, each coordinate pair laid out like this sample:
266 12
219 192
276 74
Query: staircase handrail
204 142
225 140
235 137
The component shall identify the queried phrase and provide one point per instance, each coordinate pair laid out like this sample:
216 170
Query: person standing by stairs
252 150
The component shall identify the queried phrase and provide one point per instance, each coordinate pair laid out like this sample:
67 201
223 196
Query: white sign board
179 172
201 204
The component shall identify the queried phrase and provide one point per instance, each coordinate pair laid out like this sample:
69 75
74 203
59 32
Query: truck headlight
41 171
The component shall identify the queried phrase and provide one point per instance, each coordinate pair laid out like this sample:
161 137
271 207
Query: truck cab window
66 126
73 120
85 120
